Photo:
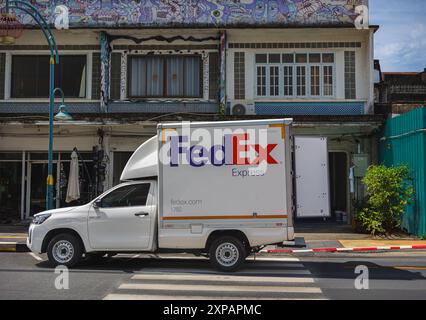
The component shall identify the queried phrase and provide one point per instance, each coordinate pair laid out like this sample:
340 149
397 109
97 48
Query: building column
222 72
105 70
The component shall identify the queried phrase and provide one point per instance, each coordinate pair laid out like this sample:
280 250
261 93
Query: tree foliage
388 195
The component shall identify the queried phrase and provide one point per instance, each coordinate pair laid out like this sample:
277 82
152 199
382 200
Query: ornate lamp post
11 29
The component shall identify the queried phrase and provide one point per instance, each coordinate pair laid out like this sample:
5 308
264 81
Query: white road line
188 297
255 271
220 278
283 259
35 256
220 288
250 258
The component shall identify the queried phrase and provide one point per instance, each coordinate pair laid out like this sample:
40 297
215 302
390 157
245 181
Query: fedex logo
235 149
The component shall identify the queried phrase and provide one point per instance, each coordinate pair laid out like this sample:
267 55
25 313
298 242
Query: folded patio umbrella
73 191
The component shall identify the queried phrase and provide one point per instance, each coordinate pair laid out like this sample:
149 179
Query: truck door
122 219
312 181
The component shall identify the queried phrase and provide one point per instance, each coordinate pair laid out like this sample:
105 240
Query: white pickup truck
221 189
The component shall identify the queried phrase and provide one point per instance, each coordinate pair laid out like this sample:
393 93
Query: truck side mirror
97 203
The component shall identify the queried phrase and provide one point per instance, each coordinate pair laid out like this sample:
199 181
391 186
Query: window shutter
239 76
96 76
2 74
214 76
115 76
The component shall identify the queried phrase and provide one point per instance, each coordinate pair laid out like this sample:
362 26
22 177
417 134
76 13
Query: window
328 80
239 76
350 76
288 58
274 81
165 76
127 196
261 58
315 80
288 81
295 75
261 81
301 81
315 58
275 58
30 76
301 58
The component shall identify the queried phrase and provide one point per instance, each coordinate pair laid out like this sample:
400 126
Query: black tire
67 246
227 253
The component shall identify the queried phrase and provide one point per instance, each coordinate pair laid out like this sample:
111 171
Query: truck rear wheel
227 253
65 250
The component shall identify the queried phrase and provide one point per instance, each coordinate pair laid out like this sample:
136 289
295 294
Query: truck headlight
39 219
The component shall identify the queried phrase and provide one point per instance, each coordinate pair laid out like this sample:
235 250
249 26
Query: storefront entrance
23 177
10 187
37 188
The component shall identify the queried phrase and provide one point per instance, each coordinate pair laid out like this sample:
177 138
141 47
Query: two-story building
127 65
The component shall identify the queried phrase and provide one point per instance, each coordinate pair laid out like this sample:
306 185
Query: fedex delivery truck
220 189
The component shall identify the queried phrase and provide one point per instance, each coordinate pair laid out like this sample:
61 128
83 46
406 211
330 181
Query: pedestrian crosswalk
266 278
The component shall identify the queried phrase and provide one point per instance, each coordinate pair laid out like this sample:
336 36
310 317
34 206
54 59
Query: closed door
312 182
122 219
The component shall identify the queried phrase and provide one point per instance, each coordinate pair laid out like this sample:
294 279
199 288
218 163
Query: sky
400 43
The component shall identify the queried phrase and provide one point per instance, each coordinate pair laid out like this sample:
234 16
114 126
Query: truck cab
123 219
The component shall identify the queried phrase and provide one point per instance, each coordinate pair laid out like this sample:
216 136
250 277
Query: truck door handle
142 214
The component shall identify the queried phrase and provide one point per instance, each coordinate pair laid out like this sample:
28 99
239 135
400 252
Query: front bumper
36 234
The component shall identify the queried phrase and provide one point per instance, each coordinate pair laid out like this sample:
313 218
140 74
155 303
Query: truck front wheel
227 253
64 249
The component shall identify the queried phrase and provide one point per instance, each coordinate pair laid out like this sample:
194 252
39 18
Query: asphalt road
320 276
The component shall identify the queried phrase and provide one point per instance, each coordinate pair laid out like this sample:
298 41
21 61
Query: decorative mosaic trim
294 45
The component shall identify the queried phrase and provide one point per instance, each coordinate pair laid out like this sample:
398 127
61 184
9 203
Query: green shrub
388 194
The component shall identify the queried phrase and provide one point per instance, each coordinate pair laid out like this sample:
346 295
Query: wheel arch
53 233
240 235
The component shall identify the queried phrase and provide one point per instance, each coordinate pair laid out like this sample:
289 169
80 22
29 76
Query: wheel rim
227 254
63 251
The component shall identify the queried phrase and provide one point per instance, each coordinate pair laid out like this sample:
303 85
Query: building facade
127 65
401 92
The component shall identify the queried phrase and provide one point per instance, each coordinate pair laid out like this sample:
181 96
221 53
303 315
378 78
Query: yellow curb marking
389 267
12 237
380 243
409 268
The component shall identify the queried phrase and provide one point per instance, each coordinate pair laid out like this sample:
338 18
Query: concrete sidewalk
13 238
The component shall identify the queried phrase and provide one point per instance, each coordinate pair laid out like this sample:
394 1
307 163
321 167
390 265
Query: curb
361 249
13 247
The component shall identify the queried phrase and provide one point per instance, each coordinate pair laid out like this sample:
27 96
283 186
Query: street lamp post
54 59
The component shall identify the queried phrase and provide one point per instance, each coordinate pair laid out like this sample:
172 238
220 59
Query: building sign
214 13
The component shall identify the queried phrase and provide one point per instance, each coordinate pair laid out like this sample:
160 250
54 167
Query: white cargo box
235 175
223 179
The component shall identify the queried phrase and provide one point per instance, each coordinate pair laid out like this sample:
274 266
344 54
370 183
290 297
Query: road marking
115 296
251 271
35 256
284 259
208 288
219 278
250 258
